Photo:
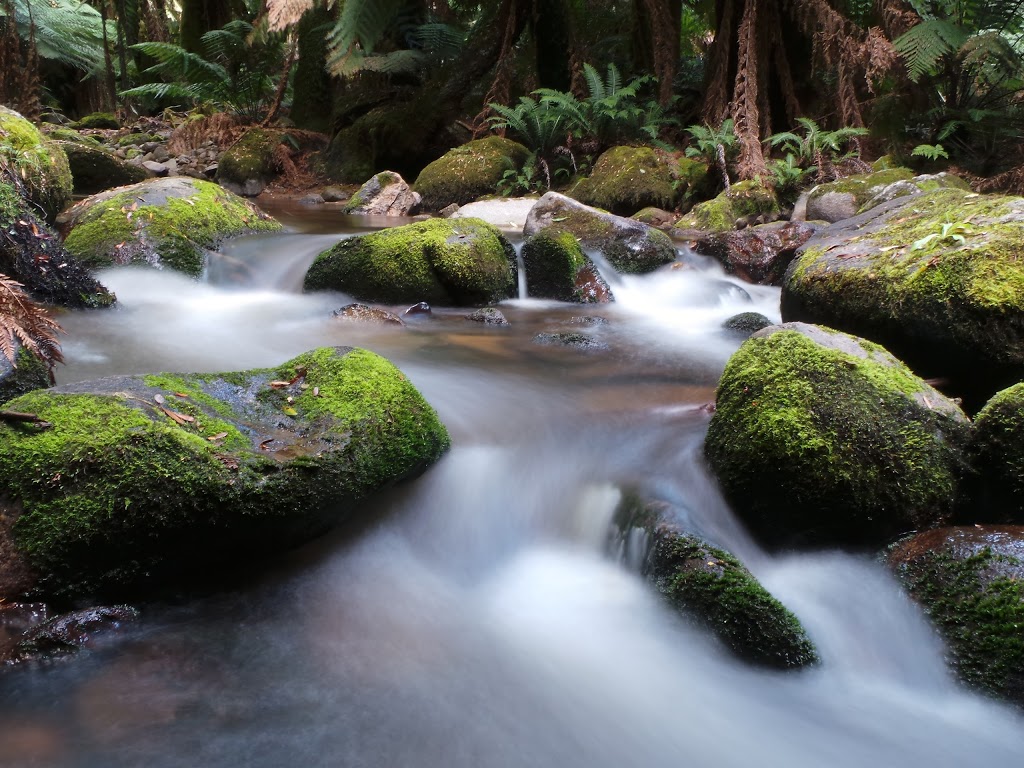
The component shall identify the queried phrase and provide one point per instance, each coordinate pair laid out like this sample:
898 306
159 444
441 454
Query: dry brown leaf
280 384
218 436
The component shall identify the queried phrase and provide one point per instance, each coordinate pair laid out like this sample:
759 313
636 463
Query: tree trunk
199 17
311 97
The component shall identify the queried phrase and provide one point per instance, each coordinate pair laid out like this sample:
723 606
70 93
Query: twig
24 418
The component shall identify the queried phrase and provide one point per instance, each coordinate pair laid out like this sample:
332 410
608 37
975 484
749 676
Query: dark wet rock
488 316
421 309
163 223
448 211
151 482
32 254
712 589
626 179
825 439
588 320
572 339
42 172
17 618
557 268
385 194
159 170
334 195
25 374
94 169
935 278
629 245
746 323
970 583
67 634
312 199
451 262
468 172
757 254
996 451
361 313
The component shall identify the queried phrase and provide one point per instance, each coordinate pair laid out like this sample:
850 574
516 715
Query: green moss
175 233
552 260
251 157
711 586
626 179
469 172
67 134
441 261
744 198
98 120
39 163
819 445
124 490
133 139
374 186
94 169
997 456
28 373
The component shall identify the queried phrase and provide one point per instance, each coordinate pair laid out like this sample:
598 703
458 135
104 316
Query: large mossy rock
468 172
970 583
448 262
626 179
164 223
825 439
557 268
742 201
32 253
710 587
251 162
841 199
94 169
41 165
629 245
996 452
937 279
144 480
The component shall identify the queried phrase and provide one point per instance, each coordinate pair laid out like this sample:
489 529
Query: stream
480 618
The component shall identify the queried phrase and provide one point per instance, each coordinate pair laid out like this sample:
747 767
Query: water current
479 620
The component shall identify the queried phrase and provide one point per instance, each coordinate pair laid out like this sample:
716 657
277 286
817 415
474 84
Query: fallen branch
24 418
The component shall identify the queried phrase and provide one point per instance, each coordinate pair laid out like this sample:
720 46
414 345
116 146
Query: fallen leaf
218 436
181 394
264 445
289 411
279 384
316 391
181 418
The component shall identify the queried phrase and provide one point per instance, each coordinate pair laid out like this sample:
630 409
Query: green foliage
238 71
534 176
790 177
950 233
65 31
930 151
707 140
814 145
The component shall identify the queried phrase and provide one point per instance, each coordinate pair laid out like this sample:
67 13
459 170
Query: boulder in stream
164 223
844 198
94 169
143 482
996 451
743 203
824 439
557 268
468 172
626 179
385 194
447 262
38 165
629 245
970 583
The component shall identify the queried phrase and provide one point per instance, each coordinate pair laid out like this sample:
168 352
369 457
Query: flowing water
478 620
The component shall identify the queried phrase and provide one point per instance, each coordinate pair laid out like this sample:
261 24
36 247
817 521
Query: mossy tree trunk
312 83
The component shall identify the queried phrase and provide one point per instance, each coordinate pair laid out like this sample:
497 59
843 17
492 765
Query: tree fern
360 27
923 45
66 31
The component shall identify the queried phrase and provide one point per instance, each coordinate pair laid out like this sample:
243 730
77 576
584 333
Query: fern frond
403 62
25 322
923 45
282 14
66 31
595 84
360 27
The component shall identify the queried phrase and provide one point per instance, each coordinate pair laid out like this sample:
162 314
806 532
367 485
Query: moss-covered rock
844 198
626 179
970 583
24 375
165 223
385 194
251 162
145 480
453 262
937 279
465 173
32 253
629 245
57 133
708 586
557 268
746 324
98 120
40 165
94 170
824 439
743 199
996 452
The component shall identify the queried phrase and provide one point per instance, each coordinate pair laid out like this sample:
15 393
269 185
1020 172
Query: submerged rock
66 634
631 246
824 439
147 481
970 583
468 172
453 262
163 223
488 316
573 339
39 166
709 587
361 313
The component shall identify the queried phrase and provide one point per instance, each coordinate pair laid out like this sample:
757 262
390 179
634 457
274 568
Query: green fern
925 44
66 31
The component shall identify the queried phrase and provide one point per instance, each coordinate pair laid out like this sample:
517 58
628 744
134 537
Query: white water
478 622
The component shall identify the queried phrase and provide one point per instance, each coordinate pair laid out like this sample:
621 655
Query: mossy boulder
844 198
41 165
148 481
251 162
557 268
824 439
711 588
385 194
468 172
450 262
629 245
937 279
970 583
742 200
997 456
25 374
94 170
164 223
627 179
32 253
56 133
98 120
